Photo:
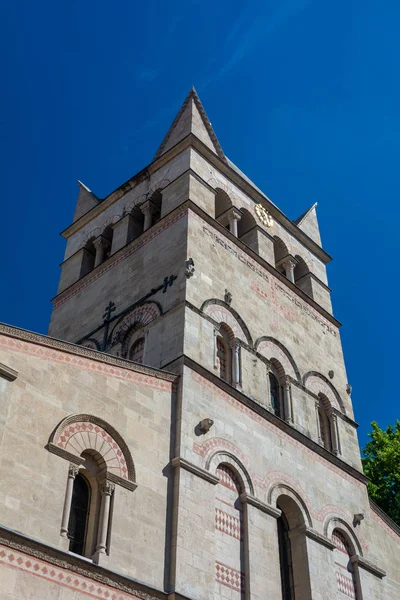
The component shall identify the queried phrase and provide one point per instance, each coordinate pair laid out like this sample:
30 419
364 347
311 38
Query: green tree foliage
381 464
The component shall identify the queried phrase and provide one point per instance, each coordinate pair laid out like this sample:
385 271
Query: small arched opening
156 200
301 276
224 358
280 252
222 203
324 422
88 258
136 225
276 377
136 351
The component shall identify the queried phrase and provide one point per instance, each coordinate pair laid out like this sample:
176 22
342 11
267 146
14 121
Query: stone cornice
368 566
182 463
279 423
192 141
8 373
67 347
265 508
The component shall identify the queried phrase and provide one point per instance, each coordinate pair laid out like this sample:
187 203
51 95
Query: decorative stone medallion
264 216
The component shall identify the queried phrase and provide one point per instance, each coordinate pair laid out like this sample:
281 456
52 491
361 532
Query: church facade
185 430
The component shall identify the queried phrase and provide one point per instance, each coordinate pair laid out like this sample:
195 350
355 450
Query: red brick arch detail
220 314
275 479
143 315
80 433
210 448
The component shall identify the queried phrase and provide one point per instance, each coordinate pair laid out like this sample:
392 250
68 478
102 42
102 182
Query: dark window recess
275 395
79 515
285 559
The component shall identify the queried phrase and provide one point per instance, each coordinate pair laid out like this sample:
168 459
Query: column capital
100 242
233 214
147 207
107 488
73 470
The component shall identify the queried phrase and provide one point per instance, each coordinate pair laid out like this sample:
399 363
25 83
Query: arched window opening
156 200
222 203
280 252
78 519
229 535
136 351
325 424
345 570
275 392
246 223
88 258
227 356
292 545
223 358
300 273
108 236
136 226
285 558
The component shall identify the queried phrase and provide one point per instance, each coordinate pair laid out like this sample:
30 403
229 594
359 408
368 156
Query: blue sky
304 96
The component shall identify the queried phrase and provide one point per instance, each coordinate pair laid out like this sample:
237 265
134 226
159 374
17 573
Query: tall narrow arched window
285 558
136 352
78 518
293 555
275 396
324 426
223 358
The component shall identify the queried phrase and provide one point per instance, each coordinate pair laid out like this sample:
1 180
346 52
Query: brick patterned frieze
229 577
227 523
278 290
80 362
345 585
44 570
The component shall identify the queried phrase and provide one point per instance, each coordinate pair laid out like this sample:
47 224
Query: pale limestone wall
271 458
268 308
124 279
240 200
52 385
170 171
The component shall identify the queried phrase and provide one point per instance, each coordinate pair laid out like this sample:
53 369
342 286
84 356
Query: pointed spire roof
308 223
191 118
